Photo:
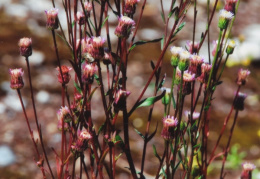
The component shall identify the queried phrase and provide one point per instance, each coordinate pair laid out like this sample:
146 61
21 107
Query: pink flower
124 26
16 78
195 48
25 46
64 114
81 18
52 18
88 71
65 74
169 125
242 76
130 6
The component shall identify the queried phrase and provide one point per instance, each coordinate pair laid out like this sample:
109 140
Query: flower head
175 55
230 5
193 49
52 18
247 170
64 114
88 71
166 98
124 27
184 60
224 18
195 64
230 47
96 47
130 6
242 76
25 46
205 70
65 74
195 115
85 135
215 44
81 18
16 78
88 7
169 125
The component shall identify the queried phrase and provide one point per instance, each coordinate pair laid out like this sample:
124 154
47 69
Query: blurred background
26 18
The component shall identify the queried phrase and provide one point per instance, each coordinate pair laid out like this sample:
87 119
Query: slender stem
228 144
171 94
36 118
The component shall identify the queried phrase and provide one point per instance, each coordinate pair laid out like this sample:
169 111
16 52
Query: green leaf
91 24
179 29
104 21
162 15
139 133
77 87
149 101
172 11
91 94
97 79
101 128
161 82
162 42
141 42
155 153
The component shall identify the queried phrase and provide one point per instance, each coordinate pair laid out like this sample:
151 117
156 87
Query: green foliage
235 157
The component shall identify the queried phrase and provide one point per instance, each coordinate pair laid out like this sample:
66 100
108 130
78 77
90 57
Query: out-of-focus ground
26 18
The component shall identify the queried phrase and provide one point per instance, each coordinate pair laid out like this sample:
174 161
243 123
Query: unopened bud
16 78
25 46
52 19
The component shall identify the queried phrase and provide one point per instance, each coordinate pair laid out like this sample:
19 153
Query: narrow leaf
155 153
152 135
77 87
141 42
91 94
151 100
97 79
139 133
104 21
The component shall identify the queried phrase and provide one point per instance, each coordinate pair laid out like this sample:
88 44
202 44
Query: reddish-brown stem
36 118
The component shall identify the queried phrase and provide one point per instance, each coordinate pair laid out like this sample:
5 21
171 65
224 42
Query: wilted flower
124 27
242 76
169 125
224 18
239 101
65 74
247 170
52 19
16 78
130 6
175 55
25 46
81 18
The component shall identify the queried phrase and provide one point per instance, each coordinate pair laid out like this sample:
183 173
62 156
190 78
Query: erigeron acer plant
185 133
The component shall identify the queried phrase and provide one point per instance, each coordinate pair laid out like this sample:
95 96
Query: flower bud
230 5
224 18
184 60
52 19
169 125
16 78
81 18
166 98
242 76
25 46
205 71
65 74
124 27
175 55
230 47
